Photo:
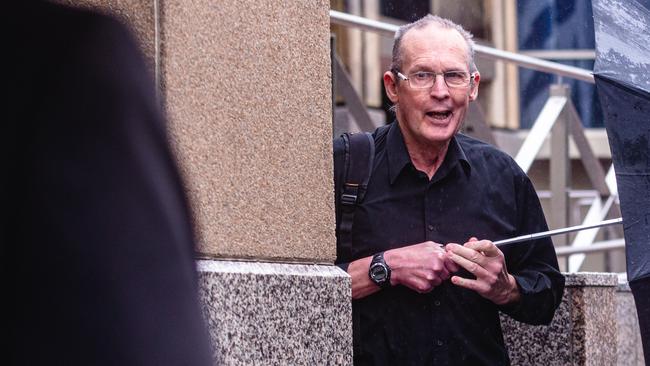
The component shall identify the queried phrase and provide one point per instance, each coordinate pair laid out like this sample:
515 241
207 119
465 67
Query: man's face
430 117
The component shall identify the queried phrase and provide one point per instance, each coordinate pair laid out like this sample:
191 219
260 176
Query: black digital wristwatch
379 271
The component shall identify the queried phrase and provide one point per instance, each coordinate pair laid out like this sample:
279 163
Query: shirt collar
398 156
455 155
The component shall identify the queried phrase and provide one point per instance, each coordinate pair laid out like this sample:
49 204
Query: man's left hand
485 261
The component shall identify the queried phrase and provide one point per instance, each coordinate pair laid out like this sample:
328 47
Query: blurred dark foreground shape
97 246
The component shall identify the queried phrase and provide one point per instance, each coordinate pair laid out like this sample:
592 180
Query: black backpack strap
359 159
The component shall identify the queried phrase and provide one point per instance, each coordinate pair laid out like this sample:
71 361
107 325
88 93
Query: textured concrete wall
247 90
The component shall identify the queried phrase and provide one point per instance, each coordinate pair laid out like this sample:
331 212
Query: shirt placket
431 227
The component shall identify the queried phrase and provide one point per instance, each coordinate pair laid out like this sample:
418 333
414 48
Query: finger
441 267
485 246
468 253
428 276
451 265
449 246
472 267
421 285
473 238
469 284
443 274
433 245
431 276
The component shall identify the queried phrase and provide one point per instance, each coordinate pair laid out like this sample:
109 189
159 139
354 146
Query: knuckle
491 280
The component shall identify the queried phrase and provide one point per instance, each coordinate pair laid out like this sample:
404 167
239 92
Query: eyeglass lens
427 79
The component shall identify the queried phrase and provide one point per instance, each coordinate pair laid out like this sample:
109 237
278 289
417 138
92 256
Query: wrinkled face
430 117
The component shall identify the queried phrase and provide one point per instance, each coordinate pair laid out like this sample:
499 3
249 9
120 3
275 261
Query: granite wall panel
629 344
277 314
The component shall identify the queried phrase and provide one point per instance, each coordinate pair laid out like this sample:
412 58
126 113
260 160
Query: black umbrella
622 73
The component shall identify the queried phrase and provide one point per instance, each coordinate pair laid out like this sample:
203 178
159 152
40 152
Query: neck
426 157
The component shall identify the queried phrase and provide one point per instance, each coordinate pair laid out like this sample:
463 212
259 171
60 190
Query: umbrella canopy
622 73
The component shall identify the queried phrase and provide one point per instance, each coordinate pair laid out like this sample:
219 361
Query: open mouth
439 115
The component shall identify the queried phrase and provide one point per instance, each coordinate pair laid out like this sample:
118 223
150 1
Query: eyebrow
428 69
422 67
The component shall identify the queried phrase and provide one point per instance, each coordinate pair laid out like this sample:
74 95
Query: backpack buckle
349 196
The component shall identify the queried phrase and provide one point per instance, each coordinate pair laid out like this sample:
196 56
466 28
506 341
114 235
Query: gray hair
422 23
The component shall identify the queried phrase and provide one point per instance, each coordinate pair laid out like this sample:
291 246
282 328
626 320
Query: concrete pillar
247 90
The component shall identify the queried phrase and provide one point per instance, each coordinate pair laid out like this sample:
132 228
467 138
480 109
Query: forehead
435 44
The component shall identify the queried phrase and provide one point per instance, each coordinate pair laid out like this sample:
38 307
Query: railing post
560 166
353 101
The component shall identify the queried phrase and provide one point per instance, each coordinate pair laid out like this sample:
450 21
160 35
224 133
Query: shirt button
437 303
430 227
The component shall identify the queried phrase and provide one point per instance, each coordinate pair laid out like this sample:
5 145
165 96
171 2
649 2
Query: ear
473 91
390 83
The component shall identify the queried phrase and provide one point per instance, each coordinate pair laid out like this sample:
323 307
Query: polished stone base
583 331
277 314
629 345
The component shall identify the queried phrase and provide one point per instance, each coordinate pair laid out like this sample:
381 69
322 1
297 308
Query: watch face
378 272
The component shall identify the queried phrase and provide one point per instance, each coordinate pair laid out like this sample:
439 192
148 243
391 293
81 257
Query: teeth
439 115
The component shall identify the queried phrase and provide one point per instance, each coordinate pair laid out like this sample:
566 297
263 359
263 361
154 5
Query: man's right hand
420 267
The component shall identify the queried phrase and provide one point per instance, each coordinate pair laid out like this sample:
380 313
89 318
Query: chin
437 139
436 134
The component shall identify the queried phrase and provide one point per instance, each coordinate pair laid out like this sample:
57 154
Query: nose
439 90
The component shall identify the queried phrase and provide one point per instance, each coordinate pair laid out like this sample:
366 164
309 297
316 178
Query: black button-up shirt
477 191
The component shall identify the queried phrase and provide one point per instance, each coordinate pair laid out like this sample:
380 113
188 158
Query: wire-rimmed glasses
426 79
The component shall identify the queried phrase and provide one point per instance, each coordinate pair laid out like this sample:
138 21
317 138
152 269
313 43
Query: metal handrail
349 20
602 246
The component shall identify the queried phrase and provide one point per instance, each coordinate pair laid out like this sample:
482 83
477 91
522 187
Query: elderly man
415 300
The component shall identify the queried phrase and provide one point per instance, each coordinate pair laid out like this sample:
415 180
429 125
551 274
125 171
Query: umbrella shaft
545 234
